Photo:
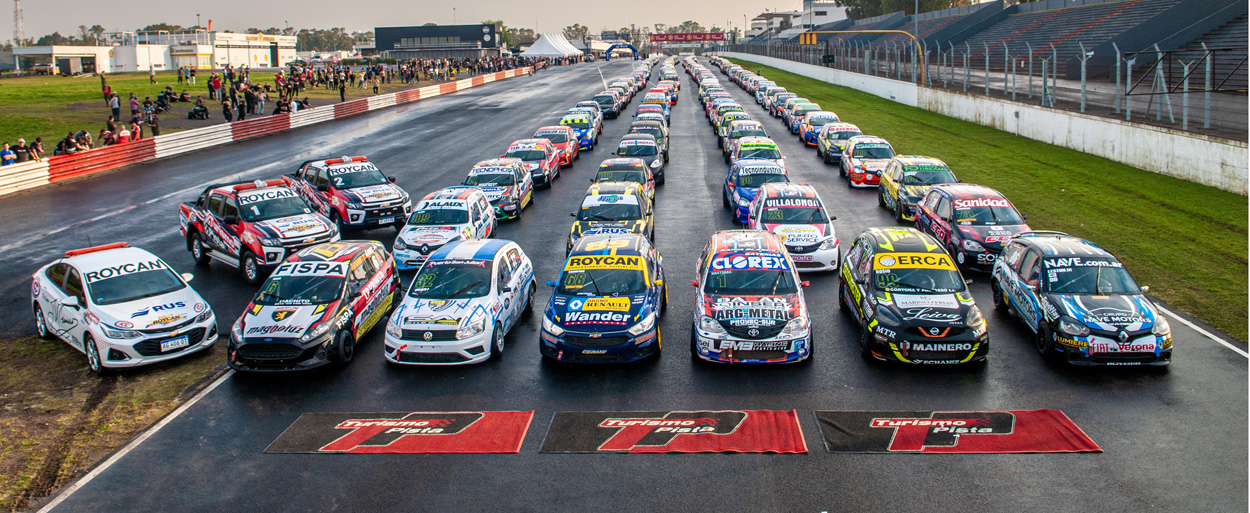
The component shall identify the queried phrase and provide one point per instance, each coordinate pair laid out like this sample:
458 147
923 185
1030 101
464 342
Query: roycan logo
943 429
381 432
660 431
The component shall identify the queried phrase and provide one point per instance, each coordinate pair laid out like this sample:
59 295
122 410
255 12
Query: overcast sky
45 16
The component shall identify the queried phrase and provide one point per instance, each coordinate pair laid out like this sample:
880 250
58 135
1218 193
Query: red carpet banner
675 431
404 433
952 432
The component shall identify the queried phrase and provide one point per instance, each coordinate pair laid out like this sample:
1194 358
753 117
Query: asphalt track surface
1173 440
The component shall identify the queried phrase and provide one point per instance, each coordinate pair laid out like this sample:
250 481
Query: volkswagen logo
427 335
753 332
934 331
1123 337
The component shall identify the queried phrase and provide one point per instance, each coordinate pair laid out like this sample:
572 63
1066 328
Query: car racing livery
910 301
794 212
442 217
540 159
607 302
643 146
613 208
749 307
907 179
564 140
462 304
810 123
122 307
351 192
737 130
634 170
507 183
863 160
832 139
314 308
1081 303
743 181
973 222
761 148
251 226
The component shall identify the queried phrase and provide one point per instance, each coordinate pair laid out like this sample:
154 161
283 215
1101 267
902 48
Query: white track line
132 445
1206 333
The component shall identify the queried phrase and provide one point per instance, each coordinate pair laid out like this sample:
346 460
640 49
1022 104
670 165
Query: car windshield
752 132
555 137
621 175
527 155
605 100
653 131
300 290
986 212
363 178
1088 276
451 279
578 123
749 282
490 179
759 152
273 208
439 217
918 280
873 152
842 135
815 122
793 215
759 179
637 150
927 175
599 211
726 110
133 286
602 282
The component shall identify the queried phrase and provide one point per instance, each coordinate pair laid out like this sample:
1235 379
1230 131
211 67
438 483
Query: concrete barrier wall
1203 159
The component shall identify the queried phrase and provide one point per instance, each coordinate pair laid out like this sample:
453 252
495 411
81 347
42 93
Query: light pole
197 21
453 15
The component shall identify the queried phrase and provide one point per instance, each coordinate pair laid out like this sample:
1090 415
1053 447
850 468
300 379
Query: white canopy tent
551 45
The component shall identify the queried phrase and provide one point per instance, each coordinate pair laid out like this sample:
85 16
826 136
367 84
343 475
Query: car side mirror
390 179
231 220
71 301
694 283
805 283
572 214
659 283
1145 289
1031 285
323 188
967 281
833 218
551 283
187 277
505 290
1024 216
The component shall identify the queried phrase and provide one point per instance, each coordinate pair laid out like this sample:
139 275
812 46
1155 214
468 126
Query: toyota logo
427 336
753 332
933 331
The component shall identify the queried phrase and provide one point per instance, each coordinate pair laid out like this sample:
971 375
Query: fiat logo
753 332
427 336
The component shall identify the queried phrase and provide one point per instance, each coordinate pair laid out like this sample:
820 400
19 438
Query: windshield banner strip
913 261
580 263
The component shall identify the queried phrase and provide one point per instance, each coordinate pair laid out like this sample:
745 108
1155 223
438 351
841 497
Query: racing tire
820 154
660 180
665 156
842 171
520 208
865 337
198 252
1000 302
496 342
250 269
94 364
881 197
577 156
529 301
842 299
694 346
898 212
1044 344
724 200
849 184
727 159
720 143
344 350
828 161
664 299
41 325
338 224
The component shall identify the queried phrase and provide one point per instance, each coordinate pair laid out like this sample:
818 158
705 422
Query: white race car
121 306
442 217
462 304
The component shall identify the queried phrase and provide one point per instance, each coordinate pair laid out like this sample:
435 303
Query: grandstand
1229 64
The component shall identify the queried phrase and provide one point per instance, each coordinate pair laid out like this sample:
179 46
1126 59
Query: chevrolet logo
595 335
310 240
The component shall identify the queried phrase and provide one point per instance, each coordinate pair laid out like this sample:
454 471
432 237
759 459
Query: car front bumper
729 349
613 347
130 353
474 349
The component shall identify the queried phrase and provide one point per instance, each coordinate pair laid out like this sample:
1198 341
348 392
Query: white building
214 50
783 25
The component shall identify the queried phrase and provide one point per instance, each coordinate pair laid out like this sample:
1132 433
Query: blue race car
744 180
587 135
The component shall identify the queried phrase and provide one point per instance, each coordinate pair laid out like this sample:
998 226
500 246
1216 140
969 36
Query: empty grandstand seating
927 28
1230 35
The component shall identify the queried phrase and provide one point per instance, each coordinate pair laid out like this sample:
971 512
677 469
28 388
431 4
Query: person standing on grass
7 156
155 125
226 112
111 125
22 151
342 92
151 74
179 75
191 75
134 104
115 103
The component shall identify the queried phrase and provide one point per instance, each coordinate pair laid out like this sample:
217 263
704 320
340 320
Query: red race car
539 156
564 140
351 192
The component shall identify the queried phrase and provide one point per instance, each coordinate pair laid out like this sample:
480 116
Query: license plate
175 343
385 220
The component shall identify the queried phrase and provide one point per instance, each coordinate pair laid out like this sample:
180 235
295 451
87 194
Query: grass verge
57 419
1187 241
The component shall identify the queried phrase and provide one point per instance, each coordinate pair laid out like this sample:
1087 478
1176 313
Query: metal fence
1177 89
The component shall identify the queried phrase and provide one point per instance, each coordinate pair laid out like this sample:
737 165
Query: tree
686 27
271 31
322 40
430 25
859 9
659 28
161 26
54 38
521 36
575 31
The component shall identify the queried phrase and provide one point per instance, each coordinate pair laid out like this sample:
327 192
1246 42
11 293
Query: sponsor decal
797 234
281 314
1137 346
761 170
164 319
743 261
159 308
356 167
937 348
404 433
913 261
773 308
675 431
125 325
588 262
265 195
926 300
270 330
596 318
35 288
1080 262
1070 342
929 314
791 202
329 269
446 204
952 432
124 269
981 202
616 304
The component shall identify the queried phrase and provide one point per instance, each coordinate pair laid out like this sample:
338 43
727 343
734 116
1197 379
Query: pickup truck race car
351 192
251 226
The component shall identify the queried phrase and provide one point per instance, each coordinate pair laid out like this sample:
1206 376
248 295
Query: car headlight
1070 326
655 163
974 318
795 326
316 331
269 241
112 332
887 317
711 325
236 332
204 316
352 205
472 326
743 202
972 245
551 327
399 245
643 326
1161 327
830 243
393 329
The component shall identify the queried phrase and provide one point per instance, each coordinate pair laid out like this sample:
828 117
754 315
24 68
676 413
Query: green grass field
1187 241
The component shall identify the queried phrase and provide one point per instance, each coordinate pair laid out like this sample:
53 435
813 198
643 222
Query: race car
634 170
1081 303
785 107
251 226
973 222
507 184
564 140
653 109
587 136
609 104
719 111
810 123
315 308
607 302
832 138
743 181
863 160
612 207
592 113
594 108
123 307
763 96
761 148
462 304
774 103
652 116
351 192
656 129
539 157
643 146
795 213
749 307
910 301
444 216
794 115
722 128
907 179
737 130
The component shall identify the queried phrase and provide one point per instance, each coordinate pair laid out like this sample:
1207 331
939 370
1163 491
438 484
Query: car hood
439 314
1109 313
494 193
928 309
433 235
303 225
583 228
597 314
871 164
798 234
374 193
276 321
914 191
153 313
769 311
992 236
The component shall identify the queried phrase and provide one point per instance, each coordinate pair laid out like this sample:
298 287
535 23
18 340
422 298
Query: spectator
116 105
180 71
134 104
192 76
7 156
111 125
22 151
36 150
121 137
226 112
136 132
155 125
151 74
105 138
342 92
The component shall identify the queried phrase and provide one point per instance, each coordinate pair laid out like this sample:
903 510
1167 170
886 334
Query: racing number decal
603 244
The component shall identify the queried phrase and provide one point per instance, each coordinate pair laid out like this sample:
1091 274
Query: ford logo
427 335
